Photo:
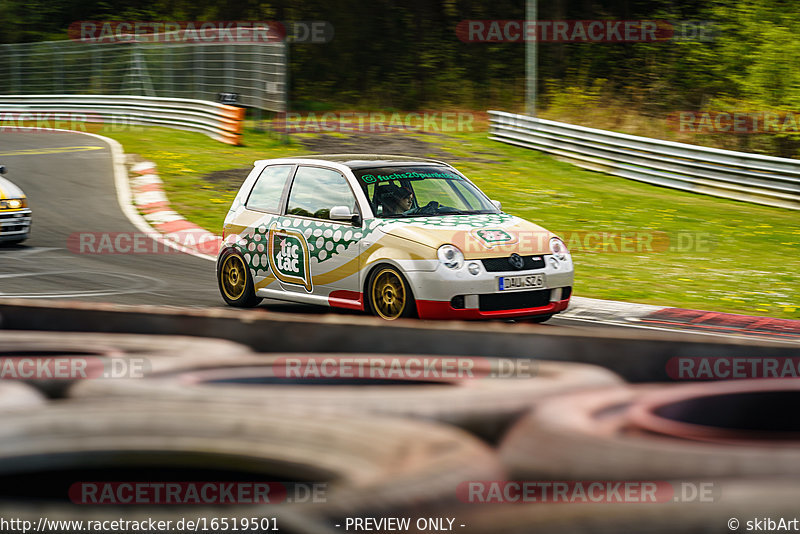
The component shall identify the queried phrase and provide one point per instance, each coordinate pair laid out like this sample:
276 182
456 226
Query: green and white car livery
327 230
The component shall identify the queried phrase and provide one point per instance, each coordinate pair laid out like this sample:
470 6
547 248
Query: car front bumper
15 225
457 294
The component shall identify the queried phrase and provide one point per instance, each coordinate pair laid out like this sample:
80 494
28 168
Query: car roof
361 161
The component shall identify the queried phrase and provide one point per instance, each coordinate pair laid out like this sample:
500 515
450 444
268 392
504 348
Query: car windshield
421 191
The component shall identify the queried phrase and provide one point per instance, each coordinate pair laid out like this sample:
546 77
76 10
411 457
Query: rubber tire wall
484 406
372 465
585 436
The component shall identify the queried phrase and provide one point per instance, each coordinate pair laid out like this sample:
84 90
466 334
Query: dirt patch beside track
230 180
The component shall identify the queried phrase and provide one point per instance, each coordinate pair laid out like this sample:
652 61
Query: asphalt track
71 190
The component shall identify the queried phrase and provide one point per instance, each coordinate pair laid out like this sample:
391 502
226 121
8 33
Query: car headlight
450 256
559 249
15 203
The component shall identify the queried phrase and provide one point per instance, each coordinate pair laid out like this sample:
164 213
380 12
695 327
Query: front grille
514 300
495 265
14 222
566 292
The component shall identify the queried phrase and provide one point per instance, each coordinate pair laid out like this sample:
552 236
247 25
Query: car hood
9 190
478 236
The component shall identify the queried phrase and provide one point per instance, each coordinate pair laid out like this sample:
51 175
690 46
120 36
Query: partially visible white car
15 216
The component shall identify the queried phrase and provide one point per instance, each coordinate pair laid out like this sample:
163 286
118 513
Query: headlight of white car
16 203
450 256
559 249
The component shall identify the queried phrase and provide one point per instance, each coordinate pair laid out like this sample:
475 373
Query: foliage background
404 55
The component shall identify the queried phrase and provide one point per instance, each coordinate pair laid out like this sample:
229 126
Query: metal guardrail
218 121
723 173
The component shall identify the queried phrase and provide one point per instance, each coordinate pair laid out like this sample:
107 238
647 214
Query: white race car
394 236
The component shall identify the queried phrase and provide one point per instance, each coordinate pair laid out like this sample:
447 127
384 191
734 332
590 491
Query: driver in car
396 200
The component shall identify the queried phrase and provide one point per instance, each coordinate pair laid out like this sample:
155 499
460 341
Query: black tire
22 342
235 281
388 294
592 436
143 354
368 464
485 403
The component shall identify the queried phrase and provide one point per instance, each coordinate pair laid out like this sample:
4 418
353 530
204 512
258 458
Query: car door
310 252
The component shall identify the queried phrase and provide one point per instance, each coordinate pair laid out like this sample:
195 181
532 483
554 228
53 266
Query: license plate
529 281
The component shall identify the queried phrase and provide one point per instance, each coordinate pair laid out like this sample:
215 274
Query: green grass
183 158
749 262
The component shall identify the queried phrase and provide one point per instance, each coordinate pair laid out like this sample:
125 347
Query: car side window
268 189
316 190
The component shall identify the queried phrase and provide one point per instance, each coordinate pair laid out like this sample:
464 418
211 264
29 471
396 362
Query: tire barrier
603 434
735 503
52 361
634 354
51 459
482 395
730 412
15 395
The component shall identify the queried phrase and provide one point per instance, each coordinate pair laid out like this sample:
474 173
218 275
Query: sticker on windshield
491 238
289 257
371 178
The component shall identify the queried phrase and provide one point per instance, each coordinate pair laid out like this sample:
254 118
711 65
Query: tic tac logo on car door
289 257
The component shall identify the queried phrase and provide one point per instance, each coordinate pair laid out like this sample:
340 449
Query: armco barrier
723 173
218 121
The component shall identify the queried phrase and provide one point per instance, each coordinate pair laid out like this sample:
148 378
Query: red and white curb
652 317
148 196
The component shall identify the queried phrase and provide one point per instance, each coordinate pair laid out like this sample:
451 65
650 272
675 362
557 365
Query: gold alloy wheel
233 277
388 294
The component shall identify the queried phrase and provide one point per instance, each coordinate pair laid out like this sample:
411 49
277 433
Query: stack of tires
160 410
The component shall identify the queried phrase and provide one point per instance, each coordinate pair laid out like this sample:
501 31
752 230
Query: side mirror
2 169
342 213
497 204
